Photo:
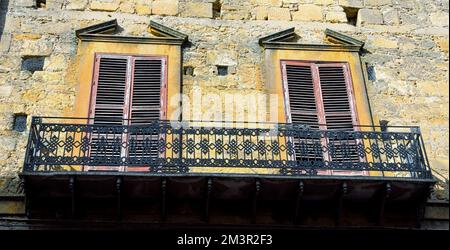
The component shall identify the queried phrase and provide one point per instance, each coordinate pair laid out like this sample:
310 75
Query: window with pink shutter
128 87
126 90
320 94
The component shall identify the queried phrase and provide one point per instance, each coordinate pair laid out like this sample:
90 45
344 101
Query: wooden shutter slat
301 94
338 111
335 97
146 103
111 90
126 87
303 109
109 106
147 83
326 85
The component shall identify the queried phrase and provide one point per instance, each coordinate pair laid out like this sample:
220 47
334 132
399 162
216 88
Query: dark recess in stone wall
32 63
20 122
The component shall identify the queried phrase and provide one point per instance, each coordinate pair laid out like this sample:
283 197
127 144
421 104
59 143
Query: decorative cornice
130 39
278 41
98 33
105 27
277 36
159 29
316 47
344 39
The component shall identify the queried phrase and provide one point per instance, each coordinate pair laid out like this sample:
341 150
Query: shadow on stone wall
3 11
10 185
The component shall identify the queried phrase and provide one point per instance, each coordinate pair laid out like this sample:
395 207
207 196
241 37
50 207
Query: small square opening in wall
188 70
32 63
352 14
384 125
371 72
20 122
217 6
222 70
41 3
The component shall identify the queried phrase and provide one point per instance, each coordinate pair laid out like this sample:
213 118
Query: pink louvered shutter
109 108
148 85
110 90
147 105
320 95
339 113
302 108
126 90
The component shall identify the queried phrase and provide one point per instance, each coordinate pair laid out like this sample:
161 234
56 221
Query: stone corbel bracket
104 32
340 42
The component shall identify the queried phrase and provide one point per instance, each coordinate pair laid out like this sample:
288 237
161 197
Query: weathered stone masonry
406 49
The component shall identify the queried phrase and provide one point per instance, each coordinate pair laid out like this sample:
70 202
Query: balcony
225 173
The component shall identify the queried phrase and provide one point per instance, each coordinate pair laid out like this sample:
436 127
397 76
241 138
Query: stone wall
406 46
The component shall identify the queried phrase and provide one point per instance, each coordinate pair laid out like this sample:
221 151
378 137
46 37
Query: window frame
129 83
128 95
318 90
314 65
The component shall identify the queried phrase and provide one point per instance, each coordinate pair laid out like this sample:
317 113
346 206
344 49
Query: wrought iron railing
73 144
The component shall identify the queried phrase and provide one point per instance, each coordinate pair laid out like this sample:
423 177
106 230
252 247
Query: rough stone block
443 44
261 13
12 207
279 14
105 5
55 63
5 91
336 17
324 2
439 18
369 16
12 24
232 12
390 17
47 77
6 68
127 7
351 3
54 4
25 3
7 143
143 8
433 88
57 28
377 2
77 5
308 12
165 8
41 47
274 3
199 10
5 42
289 1
221 57
382 42
436 213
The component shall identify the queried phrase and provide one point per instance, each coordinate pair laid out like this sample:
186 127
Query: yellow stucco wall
84 65
273 85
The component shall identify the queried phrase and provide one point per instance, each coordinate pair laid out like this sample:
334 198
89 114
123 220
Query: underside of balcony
202 199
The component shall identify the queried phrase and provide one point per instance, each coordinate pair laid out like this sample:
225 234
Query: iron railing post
31 148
